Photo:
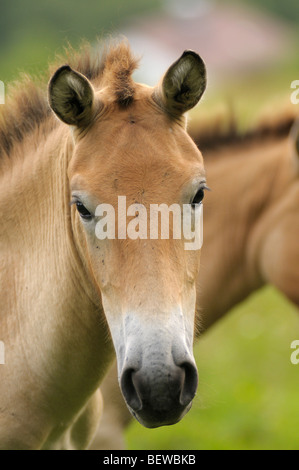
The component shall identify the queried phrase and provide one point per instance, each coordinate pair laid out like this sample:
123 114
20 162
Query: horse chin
151 419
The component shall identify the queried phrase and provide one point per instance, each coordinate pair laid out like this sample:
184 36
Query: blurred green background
32 33
249 390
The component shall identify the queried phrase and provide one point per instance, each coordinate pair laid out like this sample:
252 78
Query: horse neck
48 292
245 184
35 187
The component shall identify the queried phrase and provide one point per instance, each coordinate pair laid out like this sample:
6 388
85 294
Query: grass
248 387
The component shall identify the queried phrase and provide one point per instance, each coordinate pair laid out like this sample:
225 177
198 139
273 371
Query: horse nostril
161 395
189 384
129 391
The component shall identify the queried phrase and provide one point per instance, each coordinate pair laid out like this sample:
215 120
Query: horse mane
27 106
221 128
112 64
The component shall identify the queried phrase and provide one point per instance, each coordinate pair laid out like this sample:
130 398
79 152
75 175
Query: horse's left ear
71 97
183 84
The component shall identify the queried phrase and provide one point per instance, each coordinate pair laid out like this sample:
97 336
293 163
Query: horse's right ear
71 97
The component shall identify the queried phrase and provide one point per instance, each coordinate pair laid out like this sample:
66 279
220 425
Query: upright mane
221 129
27 105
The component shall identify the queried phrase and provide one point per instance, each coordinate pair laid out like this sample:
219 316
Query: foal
63 288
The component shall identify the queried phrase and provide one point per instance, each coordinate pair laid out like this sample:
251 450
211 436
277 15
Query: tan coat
63 291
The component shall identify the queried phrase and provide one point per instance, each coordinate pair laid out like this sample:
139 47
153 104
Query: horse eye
84 213
198 197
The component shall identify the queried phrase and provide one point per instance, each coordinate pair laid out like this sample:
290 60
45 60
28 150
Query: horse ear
71 97
183 84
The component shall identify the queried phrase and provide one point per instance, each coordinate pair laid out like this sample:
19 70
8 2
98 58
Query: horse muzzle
156 368
159 395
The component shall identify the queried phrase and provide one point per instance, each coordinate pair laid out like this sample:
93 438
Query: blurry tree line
32 31
286 9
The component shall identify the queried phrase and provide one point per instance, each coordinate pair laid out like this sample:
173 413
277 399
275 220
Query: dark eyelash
82 210
199 196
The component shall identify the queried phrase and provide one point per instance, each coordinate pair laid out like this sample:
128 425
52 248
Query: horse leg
115 418
79 435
